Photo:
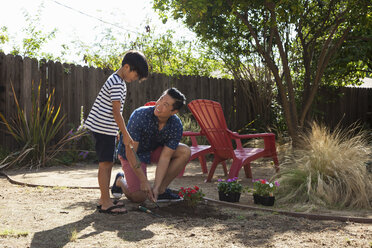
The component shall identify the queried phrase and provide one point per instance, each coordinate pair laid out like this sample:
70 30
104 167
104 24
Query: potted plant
229 190
192 196
263 192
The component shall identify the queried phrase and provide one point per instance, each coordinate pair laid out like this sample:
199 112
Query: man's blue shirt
143 126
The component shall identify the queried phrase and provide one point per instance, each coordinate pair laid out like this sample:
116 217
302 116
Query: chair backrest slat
211 119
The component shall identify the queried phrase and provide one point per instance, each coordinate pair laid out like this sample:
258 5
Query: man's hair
180 99
137 62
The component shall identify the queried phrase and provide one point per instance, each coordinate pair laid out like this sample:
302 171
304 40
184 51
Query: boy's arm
162 168
128 142
127 139
144 183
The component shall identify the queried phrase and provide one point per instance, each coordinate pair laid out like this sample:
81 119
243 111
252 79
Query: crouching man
156 132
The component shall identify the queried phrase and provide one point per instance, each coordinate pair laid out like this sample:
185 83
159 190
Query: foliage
189 124
12 233
263 187
192 196
164 52
35 133
329 170
79 149
3 36
4 152
35 37
298 41
229 186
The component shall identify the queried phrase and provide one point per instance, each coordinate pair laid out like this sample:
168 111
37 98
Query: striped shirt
101 118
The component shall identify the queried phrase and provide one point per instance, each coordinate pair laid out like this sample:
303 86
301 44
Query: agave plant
36 134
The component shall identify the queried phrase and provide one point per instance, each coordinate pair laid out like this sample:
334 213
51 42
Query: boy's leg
104 175
178 161
130 185
105 146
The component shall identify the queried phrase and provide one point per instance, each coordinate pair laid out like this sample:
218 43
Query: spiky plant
329 170
36 134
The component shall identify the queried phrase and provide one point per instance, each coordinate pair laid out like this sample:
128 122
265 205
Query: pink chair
211 119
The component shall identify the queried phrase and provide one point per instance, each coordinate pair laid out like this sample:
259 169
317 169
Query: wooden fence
77 86
344 106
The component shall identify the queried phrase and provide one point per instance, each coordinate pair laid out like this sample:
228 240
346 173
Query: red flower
196 187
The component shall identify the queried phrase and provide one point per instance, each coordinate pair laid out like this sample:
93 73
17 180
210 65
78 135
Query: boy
156 131
105 120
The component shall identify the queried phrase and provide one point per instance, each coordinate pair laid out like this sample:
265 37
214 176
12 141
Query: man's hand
146 188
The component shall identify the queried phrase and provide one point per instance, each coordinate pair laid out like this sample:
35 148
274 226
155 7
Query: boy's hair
180 99
137 62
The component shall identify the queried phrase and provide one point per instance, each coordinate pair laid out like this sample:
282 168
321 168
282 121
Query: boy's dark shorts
105 147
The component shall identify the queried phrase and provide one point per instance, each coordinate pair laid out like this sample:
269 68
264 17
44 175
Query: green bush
36 134
329 170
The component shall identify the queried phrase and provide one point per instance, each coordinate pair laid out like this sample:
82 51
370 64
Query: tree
4 38
35 37
295 39
165 53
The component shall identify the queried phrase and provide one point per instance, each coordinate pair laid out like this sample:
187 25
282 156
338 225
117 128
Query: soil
59 216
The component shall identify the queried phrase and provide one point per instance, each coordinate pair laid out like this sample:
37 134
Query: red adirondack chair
197 151
211 119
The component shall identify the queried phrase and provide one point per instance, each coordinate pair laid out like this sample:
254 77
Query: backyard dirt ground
66 217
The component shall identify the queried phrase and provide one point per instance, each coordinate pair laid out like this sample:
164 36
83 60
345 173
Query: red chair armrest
192 136
269 139
189 133
250 136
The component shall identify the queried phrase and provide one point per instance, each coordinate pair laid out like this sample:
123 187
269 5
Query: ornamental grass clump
329 170
192 196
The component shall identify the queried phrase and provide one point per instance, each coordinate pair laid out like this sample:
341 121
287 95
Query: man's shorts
105 147
133 182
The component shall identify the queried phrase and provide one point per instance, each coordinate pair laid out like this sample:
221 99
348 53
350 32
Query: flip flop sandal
109 210
115 203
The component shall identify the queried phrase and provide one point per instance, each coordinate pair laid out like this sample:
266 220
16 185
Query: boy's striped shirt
101 118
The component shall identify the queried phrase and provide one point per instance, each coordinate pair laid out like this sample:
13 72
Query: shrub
328 171
36 134
189 124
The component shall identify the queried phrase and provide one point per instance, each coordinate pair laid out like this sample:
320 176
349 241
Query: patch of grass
329 170
12 233
73 235
59 188
240 217
40 188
